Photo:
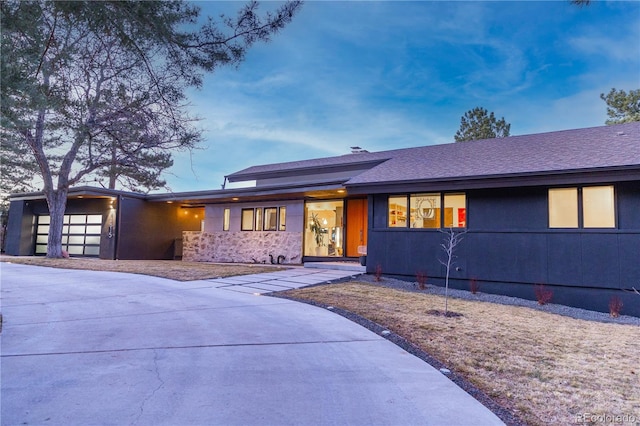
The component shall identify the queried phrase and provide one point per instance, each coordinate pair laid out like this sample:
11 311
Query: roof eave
546 178
80 191
266 192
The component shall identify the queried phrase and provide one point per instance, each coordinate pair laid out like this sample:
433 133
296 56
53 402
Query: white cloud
614 46
384 75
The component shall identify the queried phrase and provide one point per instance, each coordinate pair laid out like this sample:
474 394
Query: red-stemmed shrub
421 278
474 285
615 306
378 274
543 294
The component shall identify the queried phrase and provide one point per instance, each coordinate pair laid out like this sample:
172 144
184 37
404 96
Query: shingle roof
570 150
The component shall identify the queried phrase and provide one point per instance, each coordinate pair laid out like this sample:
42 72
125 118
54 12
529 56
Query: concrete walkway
82 348
281 280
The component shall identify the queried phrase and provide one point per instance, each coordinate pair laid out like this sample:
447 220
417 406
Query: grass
542 367
175 270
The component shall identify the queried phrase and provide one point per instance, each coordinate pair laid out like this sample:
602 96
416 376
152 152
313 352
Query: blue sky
386 75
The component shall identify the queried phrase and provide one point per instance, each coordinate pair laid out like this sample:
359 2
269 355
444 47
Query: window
258 226
563 208
426 212
324 228
226 219
270 219
398 212
247 220
262 219
598 207
455 211
282 226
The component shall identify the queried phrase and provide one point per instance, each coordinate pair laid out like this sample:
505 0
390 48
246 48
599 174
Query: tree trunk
112 169
446 286
57 202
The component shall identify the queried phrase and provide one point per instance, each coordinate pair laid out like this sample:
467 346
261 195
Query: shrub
615 306
474 285
543 294
421 278
378 274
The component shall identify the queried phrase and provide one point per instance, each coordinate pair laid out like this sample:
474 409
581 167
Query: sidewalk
281 280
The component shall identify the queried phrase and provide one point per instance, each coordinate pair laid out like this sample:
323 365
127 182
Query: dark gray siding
22 221
509 248
20 228
149 230
136 229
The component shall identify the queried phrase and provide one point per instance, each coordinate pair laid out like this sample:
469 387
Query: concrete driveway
82 348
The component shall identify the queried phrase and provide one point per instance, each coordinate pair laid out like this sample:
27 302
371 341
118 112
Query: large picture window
428 211
563 208
425 211
598 207
324 228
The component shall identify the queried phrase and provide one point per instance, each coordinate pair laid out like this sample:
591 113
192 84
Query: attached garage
81 234
102 223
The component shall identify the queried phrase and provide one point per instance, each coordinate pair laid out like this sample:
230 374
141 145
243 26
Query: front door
356 225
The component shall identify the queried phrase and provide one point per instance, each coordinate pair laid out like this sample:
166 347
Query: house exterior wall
216 245
153 230
20 227
23 220
509 248
131 228
243 247
214 214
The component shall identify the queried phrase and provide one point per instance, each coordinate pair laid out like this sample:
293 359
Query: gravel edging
553 308
505 415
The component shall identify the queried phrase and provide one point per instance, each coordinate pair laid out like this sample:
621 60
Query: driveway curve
83 347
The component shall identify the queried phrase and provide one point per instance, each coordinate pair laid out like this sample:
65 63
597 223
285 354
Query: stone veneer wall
241 247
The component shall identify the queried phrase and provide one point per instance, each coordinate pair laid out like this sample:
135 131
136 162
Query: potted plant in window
315 226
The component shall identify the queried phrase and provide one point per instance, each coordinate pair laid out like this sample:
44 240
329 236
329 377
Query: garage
80 234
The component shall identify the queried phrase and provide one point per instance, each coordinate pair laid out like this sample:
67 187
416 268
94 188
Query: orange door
356 226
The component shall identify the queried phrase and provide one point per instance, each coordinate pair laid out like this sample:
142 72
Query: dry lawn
545 368
172 269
